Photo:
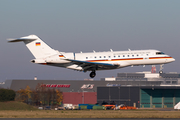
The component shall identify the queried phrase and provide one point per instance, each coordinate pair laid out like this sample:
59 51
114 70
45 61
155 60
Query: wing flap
93 65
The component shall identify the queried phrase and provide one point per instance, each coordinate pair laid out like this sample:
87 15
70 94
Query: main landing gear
92 74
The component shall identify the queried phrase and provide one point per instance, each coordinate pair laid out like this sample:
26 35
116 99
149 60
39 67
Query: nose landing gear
92 74
161 69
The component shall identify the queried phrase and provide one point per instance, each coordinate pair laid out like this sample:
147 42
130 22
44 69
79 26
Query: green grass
14 105
15 109
88 114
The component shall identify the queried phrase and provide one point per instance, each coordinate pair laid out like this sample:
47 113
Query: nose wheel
161 69
92 74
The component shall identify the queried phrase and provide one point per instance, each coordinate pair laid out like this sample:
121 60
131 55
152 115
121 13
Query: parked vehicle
110 107
124 107
47 108
68 106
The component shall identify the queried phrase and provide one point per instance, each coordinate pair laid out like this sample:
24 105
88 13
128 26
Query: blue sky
86 25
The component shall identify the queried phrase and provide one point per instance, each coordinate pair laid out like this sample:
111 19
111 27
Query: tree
24 94
28 92
7 95
35 98
41 95
21 95
59 96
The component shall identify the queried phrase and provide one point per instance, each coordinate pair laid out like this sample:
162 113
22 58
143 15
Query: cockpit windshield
159 53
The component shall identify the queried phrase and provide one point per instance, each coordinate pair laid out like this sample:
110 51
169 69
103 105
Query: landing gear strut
92 74
161 69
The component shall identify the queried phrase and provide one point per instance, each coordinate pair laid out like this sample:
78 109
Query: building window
174 82
168 82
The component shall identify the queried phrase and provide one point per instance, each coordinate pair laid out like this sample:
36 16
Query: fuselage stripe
128 59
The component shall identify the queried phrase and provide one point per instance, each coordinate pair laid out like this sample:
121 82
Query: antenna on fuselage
129 49
94 51
111 50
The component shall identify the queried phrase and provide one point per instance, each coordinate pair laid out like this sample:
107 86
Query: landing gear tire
160 72
92 74
161 69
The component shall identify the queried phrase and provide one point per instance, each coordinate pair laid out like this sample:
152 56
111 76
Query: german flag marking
38 44
61 55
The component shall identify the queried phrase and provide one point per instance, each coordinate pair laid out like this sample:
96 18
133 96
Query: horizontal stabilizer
20 39
27 38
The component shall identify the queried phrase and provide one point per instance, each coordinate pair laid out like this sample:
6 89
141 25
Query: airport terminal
140 89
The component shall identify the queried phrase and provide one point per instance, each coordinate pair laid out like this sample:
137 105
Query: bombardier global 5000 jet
91 61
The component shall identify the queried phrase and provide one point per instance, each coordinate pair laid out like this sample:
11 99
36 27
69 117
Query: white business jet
91 61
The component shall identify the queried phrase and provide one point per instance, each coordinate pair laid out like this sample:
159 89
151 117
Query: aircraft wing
88 66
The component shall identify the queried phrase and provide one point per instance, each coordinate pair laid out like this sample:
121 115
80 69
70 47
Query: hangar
143 89
140 96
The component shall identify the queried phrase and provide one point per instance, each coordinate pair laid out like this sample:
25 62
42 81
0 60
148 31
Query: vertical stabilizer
37 47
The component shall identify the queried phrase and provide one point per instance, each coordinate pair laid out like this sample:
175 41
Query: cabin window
127 55
147 54
123 55
119 56
159 53
99 56
132 55
104 56
86 57
109 56
137 55
95 57
114 56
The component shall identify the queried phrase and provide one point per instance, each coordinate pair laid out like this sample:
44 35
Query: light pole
82 96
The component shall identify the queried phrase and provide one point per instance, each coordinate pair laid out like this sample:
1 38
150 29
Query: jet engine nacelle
56 60
38 61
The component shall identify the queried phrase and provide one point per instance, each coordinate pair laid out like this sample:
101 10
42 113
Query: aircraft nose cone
170 60
173 59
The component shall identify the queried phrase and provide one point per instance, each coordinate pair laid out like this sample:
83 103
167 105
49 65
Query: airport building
142 89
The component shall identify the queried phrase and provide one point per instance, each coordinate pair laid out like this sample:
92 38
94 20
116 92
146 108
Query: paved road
75 119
